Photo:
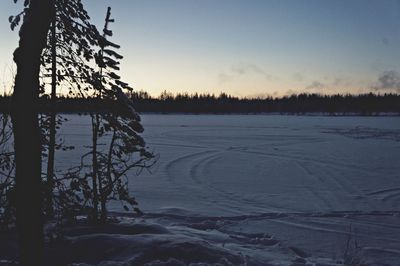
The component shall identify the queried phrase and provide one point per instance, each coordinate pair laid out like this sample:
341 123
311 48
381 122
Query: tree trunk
27 138
107 189
52 131
95 168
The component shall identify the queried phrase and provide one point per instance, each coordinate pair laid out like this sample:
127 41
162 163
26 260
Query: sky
246 47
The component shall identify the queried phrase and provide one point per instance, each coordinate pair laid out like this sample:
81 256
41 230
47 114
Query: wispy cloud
223 77
298 77
243 69
246 68
331 84
385 41
316 85
388 81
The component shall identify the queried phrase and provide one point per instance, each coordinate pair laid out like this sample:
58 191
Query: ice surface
263 188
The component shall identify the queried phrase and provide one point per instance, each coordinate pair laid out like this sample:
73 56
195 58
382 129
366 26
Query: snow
254 190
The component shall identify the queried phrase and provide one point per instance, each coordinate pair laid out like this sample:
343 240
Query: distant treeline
363 104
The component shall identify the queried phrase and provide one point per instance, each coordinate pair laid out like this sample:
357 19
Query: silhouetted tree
77 64
52 122
79 47
71 36
76 40
27 138
110 166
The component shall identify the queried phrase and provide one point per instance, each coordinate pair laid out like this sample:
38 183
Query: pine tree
58 42
110 167
74 48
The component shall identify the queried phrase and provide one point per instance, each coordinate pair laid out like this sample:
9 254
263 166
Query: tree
70 36
73 50
27 138
126 149
79 47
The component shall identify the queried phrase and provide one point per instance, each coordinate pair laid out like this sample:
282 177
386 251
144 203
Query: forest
362 104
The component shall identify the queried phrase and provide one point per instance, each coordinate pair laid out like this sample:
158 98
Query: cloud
385 41
223 77
343 82
298 76
330 85
243 69
316 85
388 81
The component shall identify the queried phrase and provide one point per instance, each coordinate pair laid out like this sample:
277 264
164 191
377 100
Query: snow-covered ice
262 189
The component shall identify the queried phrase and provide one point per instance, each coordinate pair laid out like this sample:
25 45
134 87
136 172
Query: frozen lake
305 183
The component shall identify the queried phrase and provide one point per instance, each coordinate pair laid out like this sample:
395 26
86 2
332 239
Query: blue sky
248 47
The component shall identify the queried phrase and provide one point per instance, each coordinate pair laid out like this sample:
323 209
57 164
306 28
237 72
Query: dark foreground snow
178 241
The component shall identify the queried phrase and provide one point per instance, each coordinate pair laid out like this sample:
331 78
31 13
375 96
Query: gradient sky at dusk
247 47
